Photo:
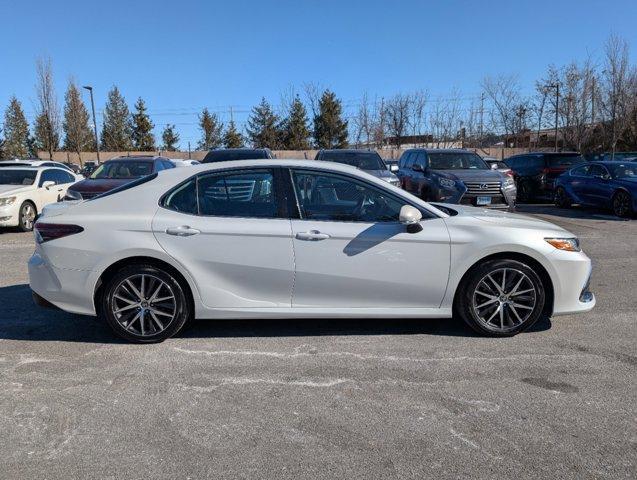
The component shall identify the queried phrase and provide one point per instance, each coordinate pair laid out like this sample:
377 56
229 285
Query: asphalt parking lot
326 399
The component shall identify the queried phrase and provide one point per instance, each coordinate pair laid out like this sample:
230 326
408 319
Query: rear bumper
65 289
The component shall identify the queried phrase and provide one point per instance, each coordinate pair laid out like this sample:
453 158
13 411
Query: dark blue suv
455 176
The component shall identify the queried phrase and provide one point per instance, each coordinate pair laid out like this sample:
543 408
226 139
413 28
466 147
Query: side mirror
416 167
48 184
494 166
393 168
410 217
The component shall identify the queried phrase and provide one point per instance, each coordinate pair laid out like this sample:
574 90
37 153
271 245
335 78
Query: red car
116 172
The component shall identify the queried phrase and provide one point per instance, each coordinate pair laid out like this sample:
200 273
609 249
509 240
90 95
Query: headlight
445 182
6 201
72 195
508 183
567 244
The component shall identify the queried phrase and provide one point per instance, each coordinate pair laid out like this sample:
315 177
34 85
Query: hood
472 175
383 174
99 185
14 189
506 219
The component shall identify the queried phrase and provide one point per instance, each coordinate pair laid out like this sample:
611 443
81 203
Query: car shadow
21 319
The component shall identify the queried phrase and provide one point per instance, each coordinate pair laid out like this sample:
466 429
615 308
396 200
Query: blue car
606 184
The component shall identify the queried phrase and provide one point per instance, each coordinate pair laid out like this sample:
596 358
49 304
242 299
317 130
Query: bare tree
418 102
379 123
313 92
503 93
48 110
363 122
398 117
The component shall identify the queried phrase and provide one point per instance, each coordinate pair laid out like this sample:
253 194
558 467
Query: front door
228 231
351 251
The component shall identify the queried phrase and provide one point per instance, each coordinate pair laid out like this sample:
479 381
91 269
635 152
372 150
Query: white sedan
297 239
24 191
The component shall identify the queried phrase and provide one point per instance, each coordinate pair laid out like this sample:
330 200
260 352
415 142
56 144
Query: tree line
593 103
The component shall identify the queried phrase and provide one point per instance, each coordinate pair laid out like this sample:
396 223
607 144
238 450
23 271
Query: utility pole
556 86
481 117
189 150
97 142
593 104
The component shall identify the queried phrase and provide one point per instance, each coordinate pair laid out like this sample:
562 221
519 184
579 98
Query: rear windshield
122 169
228 155
362 160
456 161
17 177
563 160
126 186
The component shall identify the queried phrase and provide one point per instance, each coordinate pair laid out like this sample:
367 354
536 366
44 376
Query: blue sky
181 56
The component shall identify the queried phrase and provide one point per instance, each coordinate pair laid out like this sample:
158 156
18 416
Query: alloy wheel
27 216
504 299
144 305
621 204
561 199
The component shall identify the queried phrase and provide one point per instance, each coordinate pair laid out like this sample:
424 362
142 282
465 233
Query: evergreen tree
170 138
16 131
211 131
46 138
295 128
330 130
232 138
78 136
143 138
263 127
117 129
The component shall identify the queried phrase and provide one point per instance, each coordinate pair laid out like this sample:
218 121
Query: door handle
312 235
183 231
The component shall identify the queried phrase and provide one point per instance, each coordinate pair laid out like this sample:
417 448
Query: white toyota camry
24 191
287 238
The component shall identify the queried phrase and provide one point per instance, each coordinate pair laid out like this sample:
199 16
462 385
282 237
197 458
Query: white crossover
24 191
298 239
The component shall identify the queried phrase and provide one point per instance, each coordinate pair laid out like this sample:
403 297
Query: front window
124 169
624 171
362 160
456 161
332 197
17 177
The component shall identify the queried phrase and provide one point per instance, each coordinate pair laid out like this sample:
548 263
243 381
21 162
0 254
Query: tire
26 216
622 204
490 310
148 321
525 192
562 199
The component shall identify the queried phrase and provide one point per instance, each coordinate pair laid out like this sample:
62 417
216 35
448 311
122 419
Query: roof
348 150
439 150
139 158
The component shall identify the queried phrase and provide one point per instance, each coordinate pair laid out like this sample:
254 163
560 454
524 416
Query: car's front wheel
27 216
622 204
144 304
500 297
562 199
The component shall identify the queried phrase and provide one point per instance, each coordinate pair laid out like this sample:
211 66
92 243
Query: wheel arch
521 257
112 269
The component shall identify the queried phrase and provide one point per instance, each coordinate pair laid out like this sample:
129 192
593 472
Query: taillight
52 231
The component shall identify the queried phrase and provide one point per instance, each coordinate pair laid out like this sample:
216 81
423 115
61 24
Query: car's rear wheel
562 199
622 204
525 192
501 297
144 304
27 216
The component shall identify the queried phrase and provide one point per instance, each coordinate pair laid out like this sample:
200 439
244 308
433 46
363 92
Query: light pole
97 142
556 86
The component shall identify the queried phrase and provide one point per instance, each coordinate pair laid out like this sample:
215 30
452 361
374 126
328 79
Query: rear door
578 180
598 188
351 251
230 231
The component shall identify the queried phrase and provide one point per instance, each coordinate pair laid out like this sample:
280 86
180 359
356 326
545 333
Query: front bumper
9 215
571 282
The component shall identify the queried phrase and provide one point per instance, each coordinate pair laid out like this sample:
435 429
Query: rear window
229 155
122 169
362 160
563 160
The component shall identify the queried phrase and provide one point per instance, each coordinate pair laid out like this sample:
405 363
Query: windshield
122 169
563 160
456 161
17 177
362 160
623 170
227 155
